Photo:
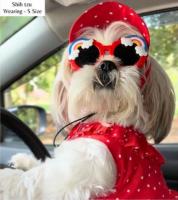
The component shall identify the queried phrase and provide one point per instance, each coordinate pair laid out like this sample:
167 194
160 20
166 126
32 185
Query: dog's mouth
104 81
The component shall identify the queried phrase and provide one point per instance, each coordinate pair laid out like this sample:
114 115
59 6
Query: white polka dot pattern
107 12
135 176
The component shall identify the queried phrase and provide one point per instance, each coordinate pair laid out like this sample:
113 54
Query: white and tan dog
84 167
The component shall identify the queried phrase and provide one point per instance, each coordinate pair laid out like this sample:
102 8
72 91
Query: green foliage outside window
163 29
41 78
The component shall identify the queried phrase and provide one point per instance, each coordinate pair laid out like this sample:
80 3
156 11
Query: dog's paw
23 161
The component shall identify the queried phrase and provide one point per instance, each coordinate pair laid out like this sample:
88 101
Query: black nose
107 66
106 80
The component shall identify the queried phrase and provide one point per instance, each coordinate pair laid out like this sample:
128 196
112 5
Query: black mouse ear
127 54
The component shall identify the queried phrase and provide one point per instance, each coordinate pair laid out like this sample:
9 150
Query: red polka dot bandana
104 13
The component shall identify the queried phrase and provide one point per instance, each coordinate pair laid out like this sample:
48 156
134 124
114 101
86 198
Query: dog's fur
82 168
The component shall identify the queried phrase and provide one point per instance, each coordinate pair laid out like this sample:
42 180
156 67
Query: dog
106 71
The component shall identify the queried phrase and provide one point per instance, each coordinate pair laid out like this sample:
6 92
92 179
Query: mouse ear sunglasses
130 50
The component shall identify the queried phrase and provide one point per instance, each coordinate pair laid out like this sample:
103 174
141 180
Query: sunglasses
130 50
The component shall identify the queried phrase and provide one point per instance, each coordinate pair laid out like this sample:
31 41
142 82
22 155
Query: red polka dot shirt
138 163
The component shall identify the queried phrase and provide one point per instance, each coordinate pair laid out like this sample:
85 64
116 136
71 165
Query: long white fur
80 168
84 168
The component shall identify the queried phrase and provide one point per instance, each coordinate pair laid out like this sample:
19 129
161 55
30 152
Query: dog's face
108 85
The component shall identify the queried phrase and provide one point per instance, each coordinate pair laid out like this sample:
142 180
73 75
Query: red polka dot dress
138 163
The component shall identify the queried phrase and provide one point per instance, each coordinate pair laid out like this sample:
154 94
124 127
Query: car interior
35 43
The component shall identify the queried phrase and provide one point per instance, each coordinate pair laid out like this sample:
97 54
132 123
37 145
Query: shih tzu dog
106 74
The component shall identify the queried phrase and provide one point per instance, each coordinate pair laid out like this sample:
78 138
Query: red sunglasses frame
103 49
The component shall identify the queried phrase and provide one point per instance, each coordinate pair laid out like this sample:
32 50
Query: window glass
35 88
10 25
163 29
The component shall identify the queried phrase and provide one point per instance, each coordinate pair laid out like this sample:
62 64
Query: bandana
104 13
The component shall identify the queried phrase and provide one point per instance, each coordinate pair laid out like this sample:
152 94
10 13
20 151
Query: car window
35 87
10 25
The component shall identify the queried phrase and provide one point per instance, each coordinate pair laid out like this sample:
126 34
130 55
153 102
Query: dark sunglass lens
87 56
126 54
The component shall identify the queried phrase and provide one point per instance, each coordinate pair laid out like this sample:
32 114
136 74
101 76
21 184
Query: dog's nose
107 66
106 80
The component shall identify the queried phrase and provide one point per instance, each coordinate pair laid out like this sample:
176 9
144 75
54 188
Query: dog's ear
60 95
159 102
59 104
